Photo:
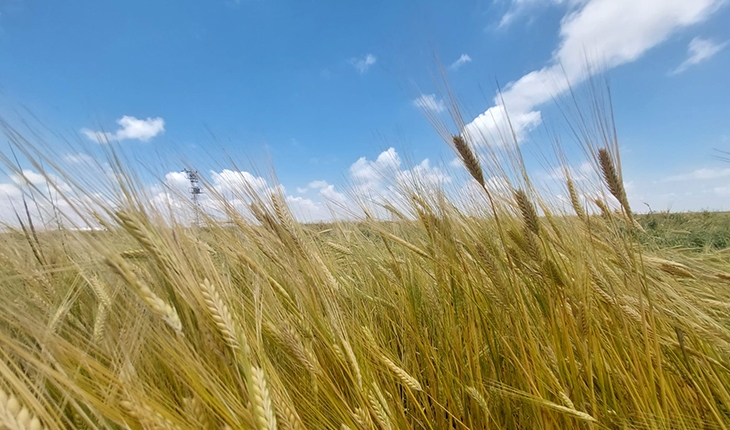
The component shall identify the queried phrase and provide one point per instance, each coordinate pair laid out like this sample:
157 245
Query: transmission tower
195 192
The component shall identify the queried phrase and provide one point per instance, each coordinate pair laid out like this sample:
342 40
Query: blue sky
322 89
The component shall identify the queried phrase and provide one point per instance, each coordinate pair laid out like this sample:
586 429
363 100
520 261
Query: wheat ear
353 361
613 180
469 159
15 416
672 267
263 410
362 417
529 213
194 407
379 411
339 248
156 304
477 396
148 417
407 379
295 344
575 200
219 313
287 414
100 322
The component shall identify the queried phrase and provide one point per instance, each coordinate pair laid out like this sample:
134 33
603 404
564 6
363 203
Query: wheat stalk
256 268
408 245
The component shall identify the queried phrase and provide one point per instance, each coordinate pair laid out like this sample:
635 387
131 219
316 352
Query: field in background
697 231
503 311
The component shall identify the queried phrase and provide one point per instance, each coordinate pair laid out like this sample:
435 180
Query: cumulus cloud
52 199
237 181
699 50
429 102
314 185
364 170
363 64
493 126
130 128
613 32
456 65
423 174
308 210
384 178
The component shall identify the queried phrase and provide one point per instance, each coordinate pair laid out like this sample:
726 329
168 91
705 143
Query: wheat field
502 312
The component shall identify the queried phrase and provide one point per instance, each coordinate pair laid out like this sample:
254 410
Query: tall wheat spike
469 159
263 409
529 213
155 303
575 200
613 179
219 313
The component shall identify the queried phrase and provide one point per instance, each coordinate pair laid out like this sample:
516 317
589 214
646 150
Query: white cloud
364 170
456 65
699 174
699 50
78 158
49 199
237 181
130 128
28 176
9 191
317 184
522 7
423 174
493 126
428 102
308 210
332 195
362 64
178 181
612 32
